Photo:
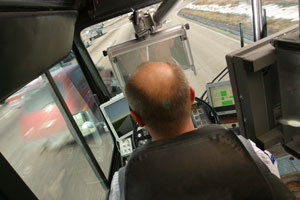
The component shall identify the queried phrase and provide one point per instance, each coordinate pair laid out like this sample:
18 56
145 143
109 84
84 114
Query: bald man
160 98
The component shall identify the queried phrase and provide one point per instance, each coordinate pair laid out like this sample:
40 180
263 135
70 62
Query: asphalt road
63 173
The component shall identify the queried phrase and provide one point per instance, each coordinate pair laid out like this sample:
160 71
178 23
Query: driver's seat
208 163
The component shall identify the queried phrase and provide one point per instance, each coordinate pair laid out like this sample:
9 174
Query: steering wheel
211 111
140 136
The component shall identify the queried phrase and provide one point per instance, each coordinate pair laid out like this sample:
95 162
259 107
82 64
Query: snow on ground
273 10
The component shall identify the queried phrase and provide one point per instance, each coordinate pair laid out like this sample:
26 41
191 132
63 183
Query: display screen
120 117
222 96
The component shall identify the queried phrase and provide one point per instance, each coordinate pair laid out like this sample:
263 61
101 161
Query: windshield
215 27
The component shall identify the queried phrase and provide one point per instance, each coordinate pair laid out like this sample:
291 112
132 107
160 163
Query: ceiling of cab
105 9
40 4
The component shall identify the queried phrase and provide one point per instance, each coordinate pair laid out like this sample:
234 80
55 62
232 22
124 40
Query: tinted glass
80 101
39 92
170 50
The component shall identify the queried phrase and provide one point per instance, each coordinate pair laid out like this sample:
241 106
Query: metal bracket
144 24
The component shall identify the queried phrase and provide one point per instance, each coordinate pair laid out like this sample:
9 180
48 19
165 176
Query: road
63 173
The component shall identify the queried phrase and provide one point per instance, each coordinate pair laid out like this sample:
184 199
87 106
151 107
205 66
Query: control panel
199 115
125 146
142 137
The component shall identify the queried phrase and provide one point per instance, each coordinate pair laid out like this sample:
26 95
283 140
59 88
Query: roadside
227 15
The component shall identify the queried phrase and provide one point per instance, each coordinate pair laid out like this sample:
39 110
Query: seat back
208 163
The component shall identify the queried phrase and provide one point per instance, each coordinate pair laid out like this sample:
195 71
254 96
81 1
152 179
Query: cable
219 74
223 76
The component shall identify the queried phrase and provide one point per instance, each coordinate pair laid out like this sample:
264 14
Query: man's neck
188 126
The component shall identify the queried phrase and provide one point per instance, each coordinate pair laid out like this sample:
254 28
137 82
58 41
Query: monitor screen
221 97
120 117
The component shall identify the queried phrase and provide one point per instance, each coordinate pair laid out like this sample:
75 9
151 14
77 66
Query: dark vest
207 163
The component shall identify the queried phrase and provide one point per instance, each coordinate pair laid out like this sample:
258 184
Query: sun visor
30 43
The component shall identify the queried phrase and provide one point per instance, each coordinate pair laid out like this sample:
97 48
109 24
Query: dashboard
200 114
129 135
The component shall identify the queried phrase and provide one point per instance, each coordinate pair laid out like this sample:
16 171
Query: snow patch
273 10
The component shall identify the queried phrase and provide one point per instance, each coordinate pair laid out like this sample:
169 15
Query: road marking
6 114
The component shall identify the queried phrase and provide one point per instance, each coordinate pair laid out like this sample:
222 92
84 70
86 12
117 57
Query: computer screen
221 97
118 115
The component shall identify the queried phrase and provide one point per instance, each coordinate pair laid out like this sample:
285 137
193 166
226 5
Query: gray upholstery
208 163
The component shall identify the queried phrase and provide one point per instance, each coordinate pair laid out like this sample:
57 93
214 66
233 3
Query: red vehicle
41 115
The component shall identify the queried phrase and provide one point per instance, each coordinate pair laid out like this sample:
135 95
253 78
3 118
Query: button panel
125 146
199 116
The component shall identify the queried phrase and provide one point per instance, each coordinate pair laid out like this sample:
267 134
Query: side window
97 41
80 101
37 142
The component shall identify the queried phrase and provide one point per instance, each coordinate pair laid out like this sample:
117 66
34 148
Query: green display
223 93
227 103
224 99
222 96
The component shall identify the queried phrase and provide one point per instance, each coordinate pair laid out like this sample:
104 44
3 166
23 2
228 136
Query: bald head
159 94
158 80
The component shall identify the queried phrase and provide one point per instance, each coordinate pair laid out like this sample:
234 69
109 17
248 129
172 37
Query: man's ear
192 95
137 119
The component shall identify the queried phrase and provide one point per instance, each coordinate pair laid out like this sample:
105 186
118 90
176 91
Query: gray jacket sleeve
117 185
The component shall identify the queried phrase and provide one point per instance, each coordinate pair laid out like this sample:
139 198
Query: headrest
208 163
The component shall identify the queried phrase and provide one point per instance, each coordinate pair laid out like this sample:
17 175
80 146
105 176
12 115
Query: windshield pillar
257 19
